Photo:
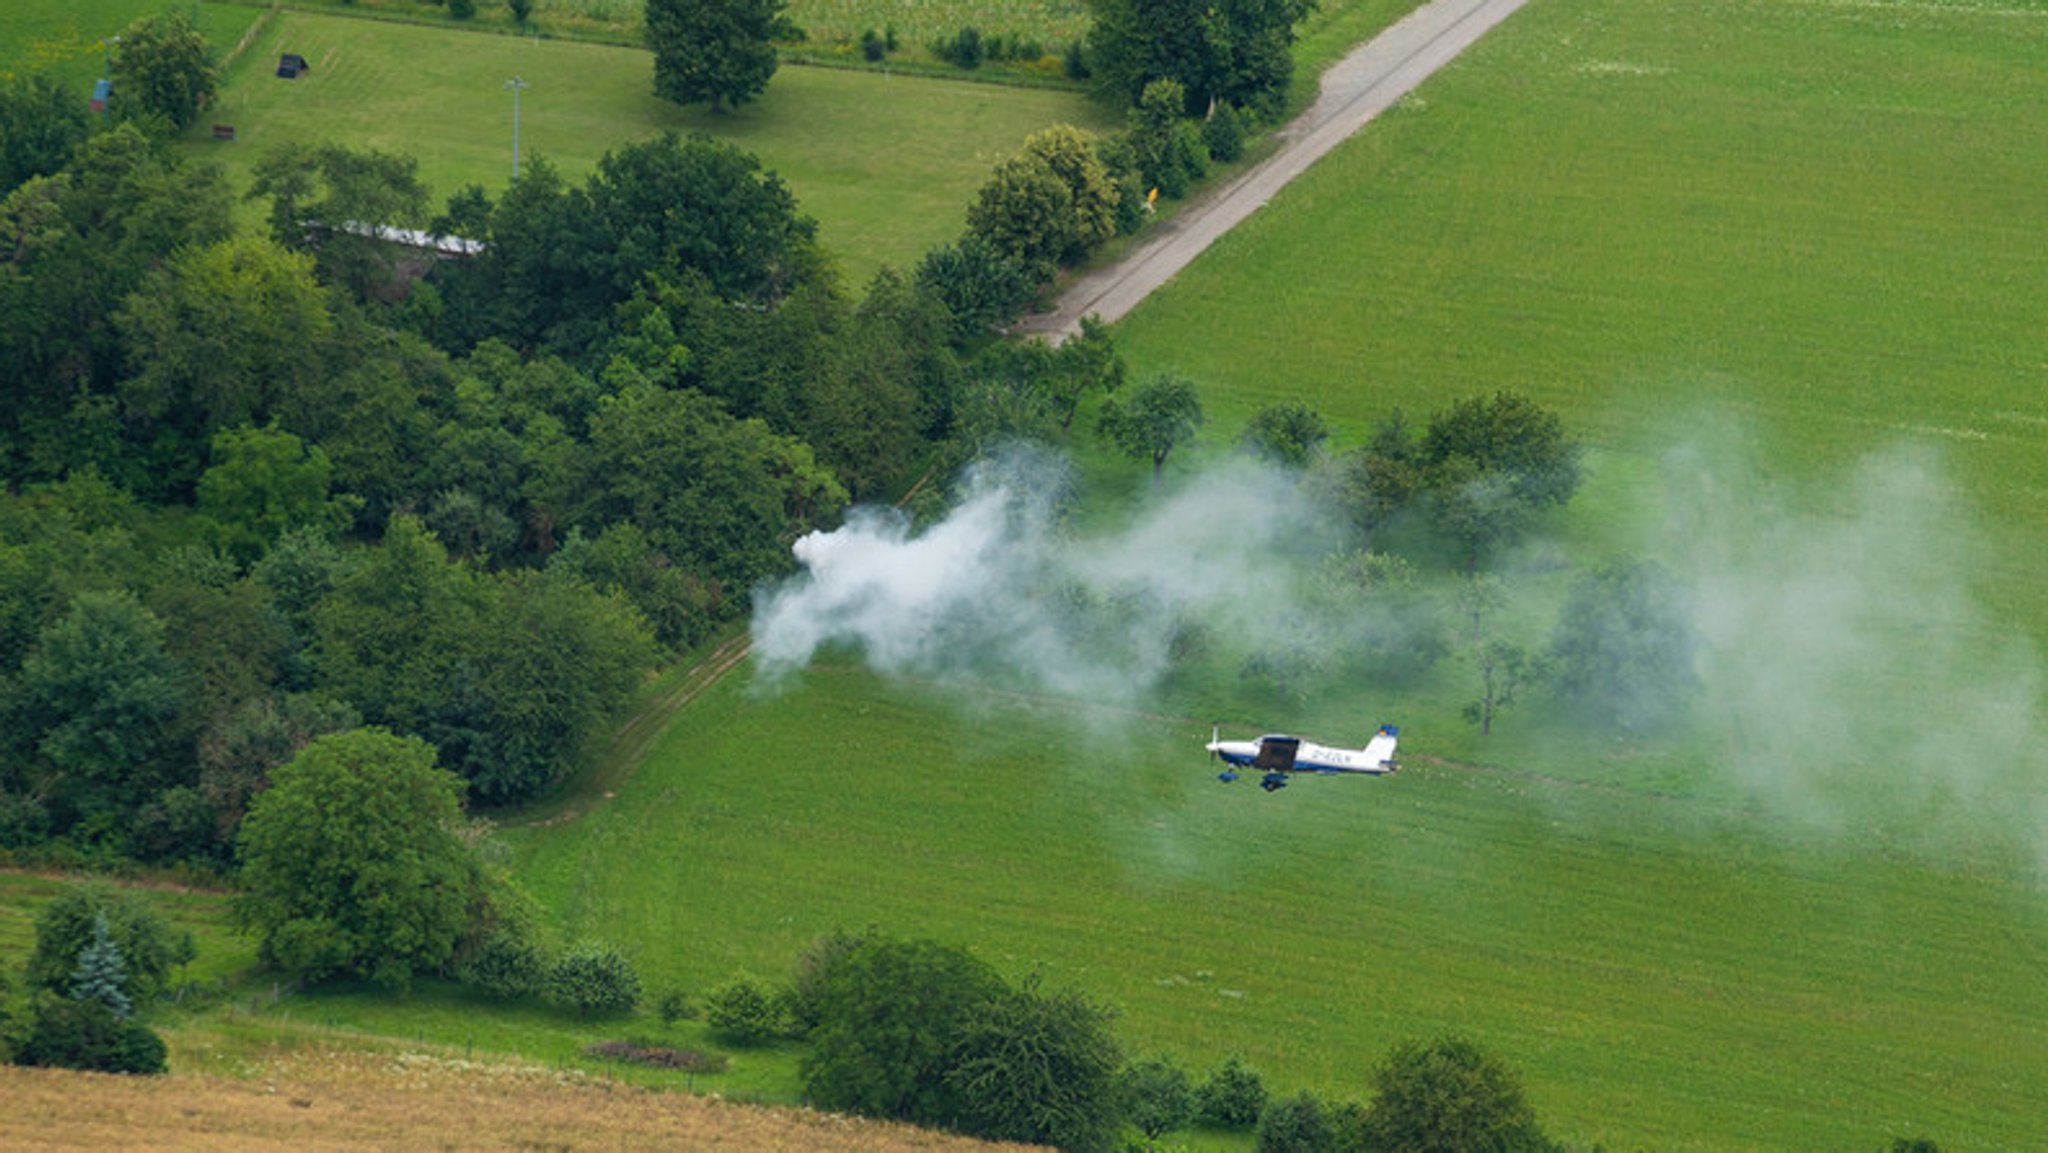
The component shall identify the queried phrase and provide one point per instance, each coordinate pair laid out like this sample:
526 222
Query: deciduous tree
351 861
163 67
1623 648
1154 419
712 50
1449 1095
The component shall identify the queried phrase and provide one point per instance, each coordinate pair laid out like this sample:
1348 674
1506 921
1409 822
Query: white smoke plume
1854 675
998 590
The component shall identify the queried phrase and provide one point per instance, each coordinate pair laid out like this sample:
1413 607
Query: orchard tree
1156 418
162 67
352 862
1624 645
712 50
1290 435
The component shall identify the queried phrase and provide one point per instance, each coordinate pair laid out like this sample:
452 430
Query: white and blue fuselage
1277 755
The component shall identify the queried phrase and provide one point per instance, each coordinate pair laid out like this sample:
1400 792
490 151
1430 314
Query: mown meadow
1777 267
887 164
1746 251
64 38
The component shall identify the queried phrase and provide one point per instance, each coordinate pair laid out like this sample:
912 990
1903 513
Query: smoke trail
1858 679
999 592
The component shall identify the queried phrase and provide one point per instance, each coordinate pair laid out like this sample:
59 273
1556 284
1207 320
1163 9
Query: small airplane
1276 756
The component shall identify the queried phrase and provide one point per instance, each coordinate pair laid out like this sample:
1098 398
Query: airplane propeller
1216 735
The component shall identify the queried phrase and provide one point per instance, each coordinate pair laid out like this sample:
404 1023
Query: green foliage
1156 1096
1481 472
887 1016
680 607
742 1013
722 497
1291 435
87 1035
462 9
1049 203
803 1003
163 69
42 124
1168 147
1623 648
1297 1124
674 1005
1232 1098
963 49
1237 53
1914 1145
1449 1095
983 288
340 204
101 974
81 242
1223 134
507 964
1155 418
595 980
101 695
553 661
522 11
351 862
1036 1068
712 50
264 483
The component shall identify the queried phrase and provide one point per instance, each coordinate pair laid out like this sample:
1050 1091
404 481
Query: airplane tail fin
1380 750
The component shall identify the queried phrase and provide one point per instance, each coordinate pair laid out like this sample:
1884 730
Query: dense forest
266 484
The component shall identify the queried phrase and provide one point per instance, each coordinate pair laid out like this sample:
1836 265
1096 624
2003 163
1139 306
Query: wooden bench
223 132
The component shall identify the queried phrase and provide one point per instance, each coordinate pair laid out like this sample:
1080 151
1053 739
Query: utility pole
515 84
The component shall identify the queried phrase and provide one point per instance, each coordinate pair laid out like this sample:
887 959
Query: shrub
522 10
507 964
462 9
1037 1069
964 49
87 1035
1232 1098
872 47
66 927
1074 60
1223 134
674 1005
980 286
1299 1124
1450 1094
741 1013
594 979
815 967
1156 1096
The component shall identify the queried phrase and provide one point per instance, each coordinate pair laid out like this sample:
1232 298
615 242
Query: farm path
1354 90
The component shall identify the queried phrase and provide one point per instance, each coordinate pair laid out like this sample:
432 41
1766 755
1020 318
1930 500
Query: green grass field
887 164
63 37
1668 972
1818 228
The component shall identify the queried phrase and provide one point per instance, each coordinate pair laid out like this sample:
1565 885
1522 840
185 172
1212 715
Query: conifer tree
101 972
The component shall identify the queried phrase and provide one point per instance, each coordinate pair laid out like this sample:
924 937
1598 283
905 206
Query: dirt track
1354 90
